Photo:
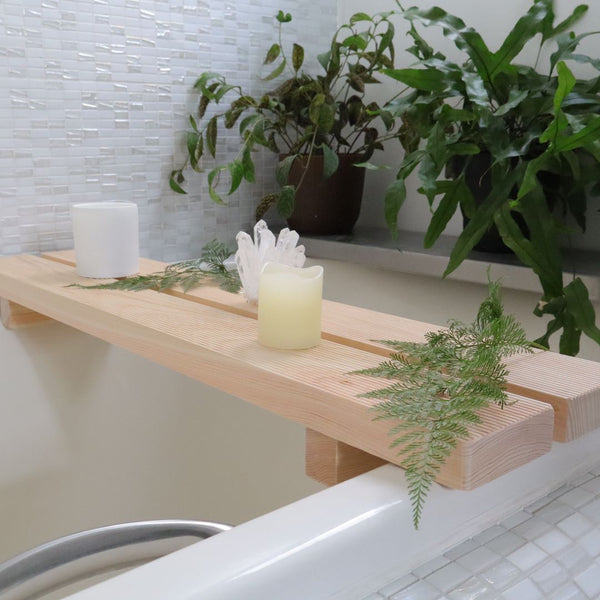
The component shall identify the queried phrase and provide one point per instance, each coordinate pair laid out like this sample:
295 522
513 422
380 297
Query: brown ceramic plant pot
326 206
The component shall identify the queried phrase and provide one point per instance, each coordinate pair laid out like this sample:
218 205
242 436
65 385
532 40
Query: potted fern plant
320 126
515 147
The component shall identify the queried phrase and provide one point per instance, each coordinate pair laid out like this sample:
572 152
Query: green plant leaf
248 164
283 17
211 136
330 161
453 191
283 169
525 29
272 54
570 337
465 38
276 72
321 113
360 16
514 99
236 171
567 23
213 181
175 179
394 198
428 80
549 273
355 42
581 308
195 146
324 59
297 57
481 221
286 201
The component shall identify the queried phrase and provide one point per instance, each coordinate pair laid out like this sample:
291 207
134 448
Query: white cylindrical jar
106 239
289 306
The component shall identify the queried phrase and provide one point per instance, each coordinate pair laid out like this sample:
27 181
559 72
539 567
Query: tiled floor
548 551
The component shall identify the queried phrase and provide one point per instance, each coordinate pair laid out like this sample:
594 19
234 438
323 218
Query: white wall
92 435
493 20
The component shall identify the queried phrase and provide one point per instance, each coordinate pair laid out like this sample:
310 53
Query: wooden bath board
210 335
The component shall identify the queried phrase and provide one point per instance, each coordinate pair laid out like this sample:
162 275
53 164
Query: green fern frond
209 269
438 388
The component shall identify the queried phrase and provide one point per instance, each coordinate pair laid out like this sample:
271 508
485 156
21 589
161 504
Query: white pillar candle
106 239
289 306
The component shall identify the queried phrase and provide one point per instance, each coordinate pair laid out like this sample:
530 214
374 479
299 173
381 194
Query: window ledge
374 247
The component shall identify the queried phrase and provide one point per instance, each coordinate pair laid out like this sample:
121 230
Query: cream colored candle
289 306
106 239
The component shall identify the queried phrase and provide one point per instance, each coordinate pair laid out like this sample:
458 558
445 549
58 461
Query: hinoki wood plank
571 385
15 316
330 462
310 387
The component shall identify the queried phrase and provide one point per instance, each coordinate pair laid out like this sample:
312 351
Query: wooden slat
15 316
570 385
310 387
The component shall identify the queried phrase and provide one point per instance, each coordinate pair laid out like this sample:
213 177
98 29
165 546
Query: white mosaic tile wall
93 102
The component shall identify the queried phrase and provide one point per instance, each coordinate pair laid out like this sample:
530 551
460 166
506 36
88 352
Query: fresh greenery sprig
208 269
440 386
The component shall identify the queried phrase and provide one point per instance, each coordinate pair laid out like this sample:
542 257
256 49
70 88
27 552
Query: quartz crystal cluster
252 254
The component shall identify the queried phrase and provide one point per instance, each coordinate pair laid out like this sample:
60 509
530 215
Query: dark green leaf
453 192
213 181
276 72
355 42
360 16
394 198
527 27
173 182
481 221
272 54
236 171
324 59
428 80
567 23
297 57
581 308
248 164
283 17
285 203
330 161
194 147
211 136
569 340
283 169
465 38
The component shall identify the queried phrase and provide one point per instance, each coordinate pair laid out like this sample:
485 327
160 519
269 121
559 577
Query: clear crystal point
252 254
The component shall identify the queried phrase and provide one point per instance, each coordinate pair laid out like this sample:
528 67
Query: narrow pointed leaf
429 80
283 169
330 161
297 57
453 191
272 54
286 201
276 72
236 171
580 306
394 198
